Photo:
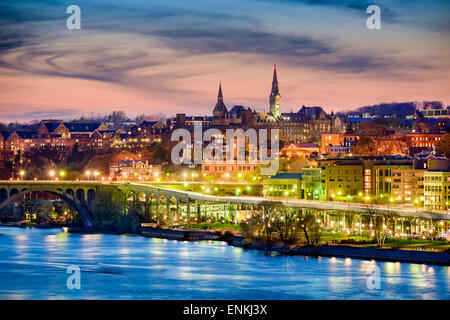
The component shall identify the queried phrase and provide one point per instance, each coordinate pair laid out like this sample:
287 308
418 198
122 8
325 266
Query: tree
443 146
365 146
117 117
371 128
158 152
381 221
284 225
6 169
108 204
307 222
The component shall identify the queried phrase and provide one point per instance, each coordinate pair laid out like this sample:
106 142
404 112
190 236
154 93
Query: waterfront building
283 185
343 179
437 190
437 184
408 186
312 186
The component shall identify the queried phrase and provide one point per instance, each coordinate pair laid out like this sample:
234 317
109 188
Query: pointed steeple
220 110
275 80
275 89
220 95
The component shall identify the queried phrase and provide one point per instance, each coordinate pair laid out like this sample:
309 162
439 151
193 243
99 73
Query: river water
33 265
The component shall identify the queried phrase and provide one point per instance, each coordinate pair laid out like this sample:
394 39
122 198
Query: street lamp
62 174
87 173
22 173
51 174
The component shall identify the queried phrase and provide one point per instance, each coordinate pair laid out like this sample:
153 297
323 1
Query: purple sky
169 56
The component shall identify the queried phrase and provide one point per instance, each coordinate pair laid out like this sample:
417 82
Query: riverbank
353 252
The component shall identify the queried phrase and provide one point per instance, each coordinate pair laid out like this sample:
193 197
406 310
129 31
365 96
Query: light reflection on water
33 265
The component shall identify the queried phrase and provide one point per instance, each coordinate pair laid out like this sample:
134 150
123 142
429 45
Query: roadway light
62 174
22 173
51 174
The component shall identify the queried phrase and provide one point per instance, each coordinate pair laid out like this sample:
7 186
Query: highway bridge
184 204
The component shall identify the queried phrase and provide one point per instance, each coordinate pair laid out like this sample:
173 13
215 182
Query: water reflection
33 266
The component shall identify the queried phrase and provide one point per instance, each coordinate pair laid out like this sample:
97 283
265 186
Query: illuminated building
299 150
283 185
134 170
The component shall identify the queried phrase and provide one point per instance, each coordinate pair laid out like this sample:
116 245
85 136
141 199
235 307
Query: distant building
226 169
275 97
299 150
134 170
434 112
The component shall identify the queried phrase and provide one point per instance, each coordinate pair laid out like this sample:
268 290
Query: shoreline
338 251
353 252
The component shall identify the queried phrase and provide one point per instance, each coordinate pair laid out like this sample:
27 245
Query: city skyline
170 56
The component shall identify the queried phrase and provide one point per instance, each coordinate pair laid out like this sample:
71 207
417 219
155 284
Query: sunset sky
169 56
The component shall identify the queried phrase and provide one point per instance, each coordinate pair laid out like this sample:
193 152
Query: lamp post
62 174
51 173
22 173
88 174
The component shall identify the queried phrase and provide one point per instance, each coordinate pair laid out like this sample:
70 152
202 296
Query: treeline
116 117
400 109
278 223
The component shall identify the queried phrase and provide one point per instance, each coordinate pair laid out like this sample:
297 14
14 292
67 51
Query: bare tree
381 222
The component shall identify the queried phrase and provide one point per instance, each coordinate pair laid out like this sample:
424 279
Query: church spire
220 110
275 97
220 95
275 89
275 80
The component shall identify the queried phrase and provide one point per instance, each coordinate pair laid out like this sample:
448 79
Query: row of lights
54 175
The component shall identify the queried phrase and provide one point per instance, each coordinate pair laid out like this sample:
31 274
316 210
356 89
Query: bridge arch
80 195
73 202
13 191
91 195
3 194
